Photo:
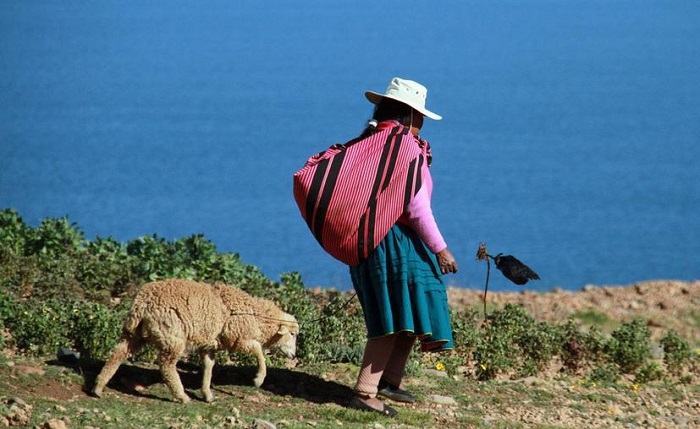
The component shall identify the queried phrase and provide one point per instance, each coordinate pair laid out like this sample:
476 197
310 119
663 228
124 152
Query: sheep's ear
284 329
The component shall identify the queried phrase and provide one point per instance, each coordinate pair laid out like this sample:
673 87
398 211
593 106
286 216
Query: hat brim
376 98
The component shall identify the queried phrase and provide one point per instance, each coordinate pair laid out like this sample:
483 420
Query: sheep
178 315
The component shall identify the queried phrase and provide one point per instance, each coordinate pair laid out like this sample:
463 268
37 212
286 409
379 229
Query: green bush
677 352
39 327
606 374
630 345
95 328
581 348
104 269
595 343
496 351
465 330
649 372
8 308
512 341
539 342
13 233
54 237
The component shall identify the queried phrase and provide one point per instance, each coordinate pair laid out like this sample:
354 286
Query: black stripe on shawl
392 158
366 240
361 238
314 190
324 202
413 181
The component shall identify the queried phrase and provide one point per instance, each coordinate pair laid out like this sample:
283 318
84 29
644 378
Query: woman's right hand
447 262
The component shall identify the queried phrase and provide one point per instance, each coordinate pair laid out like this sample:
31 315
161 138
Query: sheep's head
286 338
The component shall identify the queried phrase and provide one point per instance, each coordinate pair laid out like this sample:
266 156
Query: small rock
530 381
67 356
442 400
435 372
680 421
54 424
19 401
263 424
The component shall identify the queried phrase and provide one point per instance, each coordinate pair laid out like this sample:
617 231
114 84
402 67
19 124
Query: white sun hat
406 91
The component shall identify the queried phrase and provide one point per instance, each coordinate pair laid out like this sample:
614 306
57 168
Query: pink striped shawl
351 194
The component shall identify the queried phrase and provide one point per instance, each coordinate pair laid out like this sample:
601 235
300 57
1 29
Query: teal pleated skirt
400 289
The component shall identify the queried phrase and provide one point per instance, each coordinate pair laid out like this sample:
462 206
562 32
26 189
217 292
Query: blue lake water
570 139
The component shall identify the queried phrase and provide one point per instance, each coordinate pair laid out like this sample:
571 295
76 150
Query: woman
399 284
367 202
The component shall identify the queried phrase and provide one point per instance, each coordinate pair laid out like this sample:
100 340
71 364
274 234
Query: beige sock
376 355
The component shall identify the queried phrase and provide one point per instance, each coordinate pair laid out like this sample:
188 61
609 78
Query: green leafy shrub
650 371
465 330
581 348
513 341
156 259
595 345
13 233
54 237
573 348
104 269
331 322
606 374
677 352
539 342
8 307
630 345
39 327
496 351
95 329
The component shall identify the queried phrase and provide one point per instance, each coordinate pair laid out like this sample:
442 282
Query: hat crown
410 92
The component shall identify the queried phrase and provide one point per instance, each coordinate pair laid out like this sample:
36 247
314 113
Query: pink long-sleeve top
419 214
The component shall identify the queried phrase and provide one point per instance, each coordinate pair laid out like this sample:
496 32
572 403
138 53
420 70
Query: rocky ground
38 394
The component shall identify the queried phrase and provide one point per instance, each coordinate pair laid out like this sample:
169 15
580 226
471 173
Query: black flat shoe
357 404
395 393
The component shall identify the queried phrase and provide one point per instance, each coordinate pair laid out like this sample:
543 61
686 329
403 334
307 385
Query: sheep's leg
256 348
207 369
168 368
121 351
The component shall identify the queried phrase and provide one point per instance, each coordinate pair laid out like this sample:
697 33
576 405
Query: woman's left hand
447 262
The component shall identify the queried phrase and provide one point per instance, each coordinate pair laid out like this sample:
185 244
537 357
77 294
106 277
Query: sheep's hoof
258 381
208 397
183 400
97 393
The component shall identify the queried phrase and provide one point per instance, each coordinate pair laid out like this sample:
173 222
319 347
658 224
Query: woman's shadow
131 379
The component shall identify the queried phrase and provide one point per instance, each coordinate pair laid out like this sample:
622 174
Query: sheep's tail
133 320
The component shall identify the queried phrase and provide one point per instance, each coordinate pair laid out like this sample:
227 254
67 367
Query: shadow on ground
134 380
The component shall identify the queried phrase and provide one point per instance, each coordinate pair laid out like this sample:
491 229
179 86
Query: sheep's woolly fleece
179 315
